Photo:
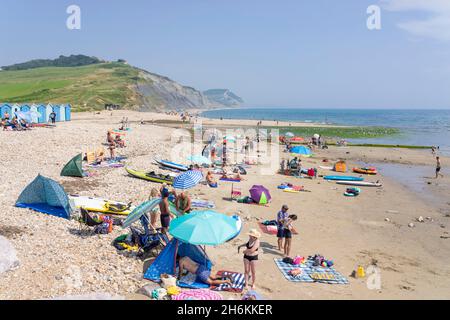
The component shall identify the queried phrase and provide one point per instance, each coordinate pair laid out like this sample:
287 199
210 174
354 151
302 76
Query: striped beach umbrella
187 179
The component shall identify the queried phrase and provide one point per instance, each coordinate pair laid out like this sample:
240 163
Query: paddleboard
343 178
159 178
172 165
360 183
326 168
101 205
371 171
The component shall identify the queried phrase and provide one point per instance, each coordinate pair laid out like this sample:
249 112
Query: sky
290 53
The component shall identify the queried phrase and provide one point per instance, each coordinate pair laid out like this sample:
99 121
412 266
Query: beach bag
311 173
288 260
168 281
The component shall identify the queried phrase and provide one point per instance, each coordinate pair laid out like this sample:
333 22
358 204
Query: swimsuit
165 220
250 258
202 274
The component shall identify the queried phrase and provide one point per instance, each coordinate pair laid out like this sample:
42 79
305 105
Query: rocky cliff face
161 93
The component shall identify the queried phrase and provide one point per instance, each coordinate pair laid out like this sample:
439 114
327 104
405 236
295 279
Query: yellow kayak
151 176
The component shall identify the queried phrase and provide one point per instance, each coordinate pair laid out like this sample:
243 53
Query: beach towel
238 282
309 273
190 281
229 179
197 294
198 203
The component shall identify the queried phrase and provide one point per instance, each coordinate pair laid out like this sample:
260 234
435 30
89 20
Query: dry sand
56 261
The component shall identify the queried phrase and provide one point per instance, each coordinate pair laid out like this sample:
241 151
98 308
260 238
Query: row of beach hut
41 111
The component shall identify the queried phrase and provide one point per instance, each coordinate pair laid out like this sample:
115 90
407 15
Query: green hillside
85 88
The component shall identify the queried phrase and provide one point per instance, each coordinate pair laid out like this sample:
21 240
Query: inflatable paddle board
343 178
360 183
172 165
101 205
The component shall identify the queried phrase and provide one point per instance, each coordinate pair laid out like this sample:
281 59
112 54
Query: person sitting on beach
119 141
183 203
210 180
251 256
202 272
99 158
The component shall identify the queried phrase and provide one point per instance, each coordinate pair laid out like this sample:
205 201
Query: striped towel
237 278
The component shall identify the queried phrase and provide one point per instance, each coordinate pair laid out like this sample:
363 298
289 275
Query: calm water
418 127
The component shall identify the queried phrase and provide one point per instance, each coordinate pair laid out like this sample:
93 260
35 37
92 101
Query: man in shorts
164 209
281 217
202 272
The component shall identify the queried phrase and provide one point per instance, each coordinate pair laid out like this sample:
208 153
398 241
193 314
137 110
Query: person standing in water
438 168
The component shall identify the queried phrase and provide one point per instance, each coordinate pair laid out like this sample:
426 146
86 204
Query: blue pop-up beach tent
166 262
47 196
301 150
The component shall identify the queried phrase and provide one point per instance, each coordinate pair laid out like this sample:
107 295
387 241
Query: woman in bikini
251 256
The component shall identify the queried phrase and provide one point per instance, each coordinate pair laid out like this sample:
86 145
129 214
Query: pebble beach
380 228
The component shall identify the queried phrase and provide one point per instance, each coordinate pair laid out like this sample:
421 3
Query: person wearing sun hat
251 256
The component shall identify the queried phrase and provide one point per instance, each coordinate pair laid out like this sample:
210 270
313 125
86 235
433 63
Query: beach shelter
74 167
47 196
260 194
301 150
205 227
340 166
42 110
166 263
35 114
57 110
15 108
67 112
6 108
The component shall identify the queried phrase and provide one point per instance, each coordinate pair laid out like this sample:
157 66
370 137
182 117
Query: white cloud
436 25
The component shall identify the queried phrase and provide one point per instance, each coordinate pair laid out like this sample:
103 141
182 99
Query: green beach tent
73 168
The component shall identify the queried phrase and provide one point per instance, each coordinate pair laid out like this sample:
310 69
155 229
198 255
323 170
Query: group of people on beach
14 123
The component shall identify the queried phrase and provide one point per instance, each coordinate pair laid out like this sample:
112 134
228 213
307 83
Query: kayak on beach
343 178
360 183
369 170
151 176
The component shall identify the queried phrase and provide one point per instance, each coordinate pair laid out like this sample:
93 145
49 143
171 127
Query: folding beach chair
86 221
236 192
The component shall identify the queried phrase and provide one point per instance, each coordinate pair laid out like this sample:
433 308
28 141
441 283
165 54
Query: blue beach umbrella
204 228
187 179
139 211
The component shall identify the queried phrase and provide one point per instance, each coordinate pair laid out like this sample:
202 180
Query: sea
417 127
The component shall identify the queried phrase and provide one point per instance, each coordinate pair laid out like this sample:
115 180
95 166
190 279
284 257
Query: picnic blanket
237 278
310 273
199 203
197 294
